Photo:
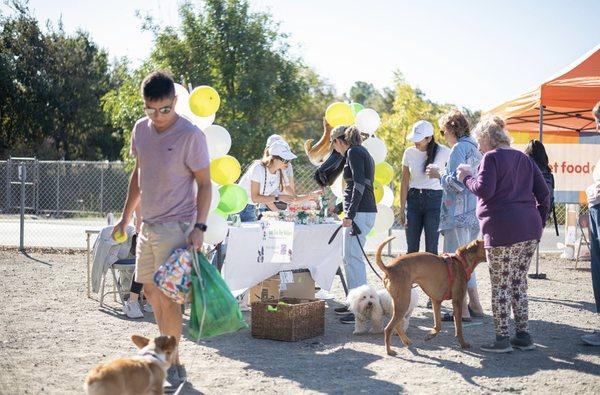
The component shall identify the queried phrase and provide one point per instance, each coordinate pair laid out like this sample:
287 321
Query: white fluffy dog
369 304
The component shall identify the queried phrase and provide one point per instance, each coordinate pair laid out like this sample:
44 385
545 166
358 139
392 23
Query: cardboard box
298 284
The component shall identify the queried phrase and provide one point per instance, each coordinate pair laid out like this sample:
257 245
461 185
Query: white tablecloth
310 251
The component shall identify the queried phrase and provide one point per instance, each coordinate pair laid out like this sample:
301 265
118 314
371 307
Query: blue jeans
423 212
248 214
595 251
457 237
354 264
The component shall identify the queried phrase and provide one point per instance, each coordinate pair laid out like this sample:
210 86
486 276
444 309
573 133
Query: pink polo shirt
167 161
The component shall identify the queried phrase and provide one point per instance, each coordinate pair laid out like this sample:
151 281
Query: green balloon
356 107
233 199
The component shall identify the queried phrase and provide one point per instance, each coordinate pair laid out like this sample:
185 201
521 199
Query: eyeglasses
163 110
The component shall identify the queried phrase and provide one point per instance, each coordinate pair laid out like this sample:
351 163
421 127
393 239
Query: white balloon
367 121
204 122
384 219
182 106
215 197
376 148
218 141
388 196
216 229
338 187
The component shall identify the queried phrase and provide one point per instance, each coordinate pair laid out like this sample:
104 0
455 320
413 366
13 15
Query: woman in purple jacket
512 205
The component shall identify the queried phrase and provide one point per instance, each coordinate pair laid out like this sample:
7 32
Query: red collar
448 259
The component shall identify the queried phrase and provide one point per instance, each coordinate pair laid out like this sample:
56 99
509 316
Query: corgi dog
143 373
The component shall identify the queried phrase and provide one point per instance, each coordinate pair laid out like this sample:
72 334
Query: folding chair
583 223
121 264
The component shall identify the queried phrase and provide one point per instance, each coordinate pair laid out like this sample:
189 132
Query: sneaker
429 304
522 341
173 380
501 345
447 317
347 319
341 310
593 339
182 372
132 310
148 308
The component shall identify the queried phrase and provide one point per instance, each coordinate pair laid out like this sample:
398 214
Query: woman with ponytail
420 195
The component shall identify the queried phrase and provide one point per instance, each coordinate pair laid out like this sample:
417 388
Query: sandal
447 317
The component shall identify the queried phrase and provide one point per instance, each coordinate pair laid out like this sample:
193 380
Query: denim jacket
458 203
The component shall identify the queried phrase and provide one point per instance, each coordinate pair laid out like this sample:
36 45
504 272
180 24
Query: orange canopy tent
559 108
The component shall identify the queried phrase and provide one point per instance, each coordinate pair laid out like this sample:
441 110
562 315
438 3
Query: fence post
36 184
57 188
22 177
102 188
8 185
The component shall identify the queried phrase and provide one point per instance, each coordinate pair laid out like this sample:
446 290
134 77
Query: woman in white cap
288 171
421 196
265 180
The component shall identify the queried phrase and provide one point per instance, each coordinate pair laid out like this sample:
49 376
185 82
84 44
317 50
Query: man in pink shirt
171 180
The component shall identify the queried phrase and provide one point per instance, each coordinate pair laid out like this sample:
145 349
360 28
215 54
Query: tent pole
537 274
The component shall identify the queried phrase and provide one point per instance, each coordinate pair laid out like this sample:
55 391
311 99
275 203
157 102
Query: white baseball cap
273 138
282 149
420 130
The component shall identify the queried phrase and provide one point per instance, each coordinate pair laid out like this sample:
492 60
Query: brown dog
140 375
439 277
319 152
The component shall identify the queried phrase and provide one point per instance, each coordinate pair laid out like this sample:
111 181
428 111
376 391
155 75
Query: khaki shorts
155 244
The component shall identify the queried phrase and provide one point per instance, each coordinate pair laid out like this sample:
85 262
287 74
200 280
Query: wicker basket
292 320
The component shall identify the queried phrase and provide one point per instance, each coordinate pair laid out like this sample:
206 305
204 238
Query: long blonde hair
266 161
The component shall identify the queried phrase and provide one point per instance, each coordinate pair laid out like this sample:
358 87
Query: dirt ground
51 335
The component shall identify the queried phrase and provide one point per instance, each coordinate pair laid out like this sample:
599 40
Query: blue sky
470 53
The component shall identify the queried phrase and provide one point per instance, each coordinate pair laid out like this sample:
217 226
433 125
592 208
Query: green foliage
51 84
366 94
244 57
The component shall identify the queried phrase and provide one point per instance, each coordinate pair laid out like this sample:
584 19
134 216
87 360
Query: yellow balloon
225 170
204 101
378 191
342 215
338 114
384 173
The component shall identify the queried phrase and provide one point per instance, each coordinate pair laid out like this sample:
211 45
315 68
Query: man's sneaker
522 341
341 310
593 339
132 309
347 319
501 345
148 307
173 380
182 372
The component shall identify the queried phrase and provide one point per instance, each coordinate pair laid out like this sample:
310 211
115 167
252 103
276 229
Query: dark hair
158 85
536 151
432 149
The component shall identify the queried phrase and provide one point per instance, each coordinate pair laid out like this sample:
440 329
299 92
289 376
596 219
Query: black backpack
549 178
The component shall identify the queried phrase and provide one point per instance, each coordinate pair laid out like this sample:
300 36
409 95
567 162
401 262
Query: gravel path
51 335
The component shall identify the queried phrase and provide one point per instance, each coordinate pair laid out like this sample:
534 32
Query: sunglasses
285 161
163 110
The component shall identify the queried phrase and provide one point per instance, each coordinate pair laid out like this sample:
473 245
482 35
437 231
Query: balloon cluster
200 107
367 121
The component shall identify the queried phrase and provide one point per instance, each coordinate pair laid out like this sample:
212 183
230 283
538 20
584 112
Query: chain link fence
61 199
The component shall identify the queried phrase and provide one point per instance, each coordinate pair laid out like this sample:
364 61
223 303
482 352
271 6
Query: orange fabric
574 89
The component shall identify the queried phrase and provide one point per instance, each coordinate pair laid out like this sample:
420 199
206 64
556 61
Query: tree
51 89
366 94
245 58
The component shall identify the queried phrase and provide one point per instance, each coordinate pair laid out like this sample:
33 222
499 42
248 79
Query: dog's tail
378 260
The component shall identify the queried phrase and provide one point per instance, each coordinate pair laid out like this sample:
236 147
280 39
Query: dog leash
355 232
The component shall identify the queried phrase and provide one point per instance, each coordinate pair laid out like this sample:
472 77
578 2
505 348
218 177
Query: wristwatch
201 226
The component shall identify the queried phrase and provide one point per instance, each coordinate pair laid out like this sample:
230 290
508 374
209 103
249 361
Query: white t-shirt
256 173
414 159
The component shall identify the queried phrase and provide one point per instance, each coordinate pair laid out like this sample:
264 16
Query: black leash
355 232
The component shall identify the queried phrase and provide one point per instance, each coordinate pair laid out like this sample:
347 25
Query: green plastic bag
215 310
